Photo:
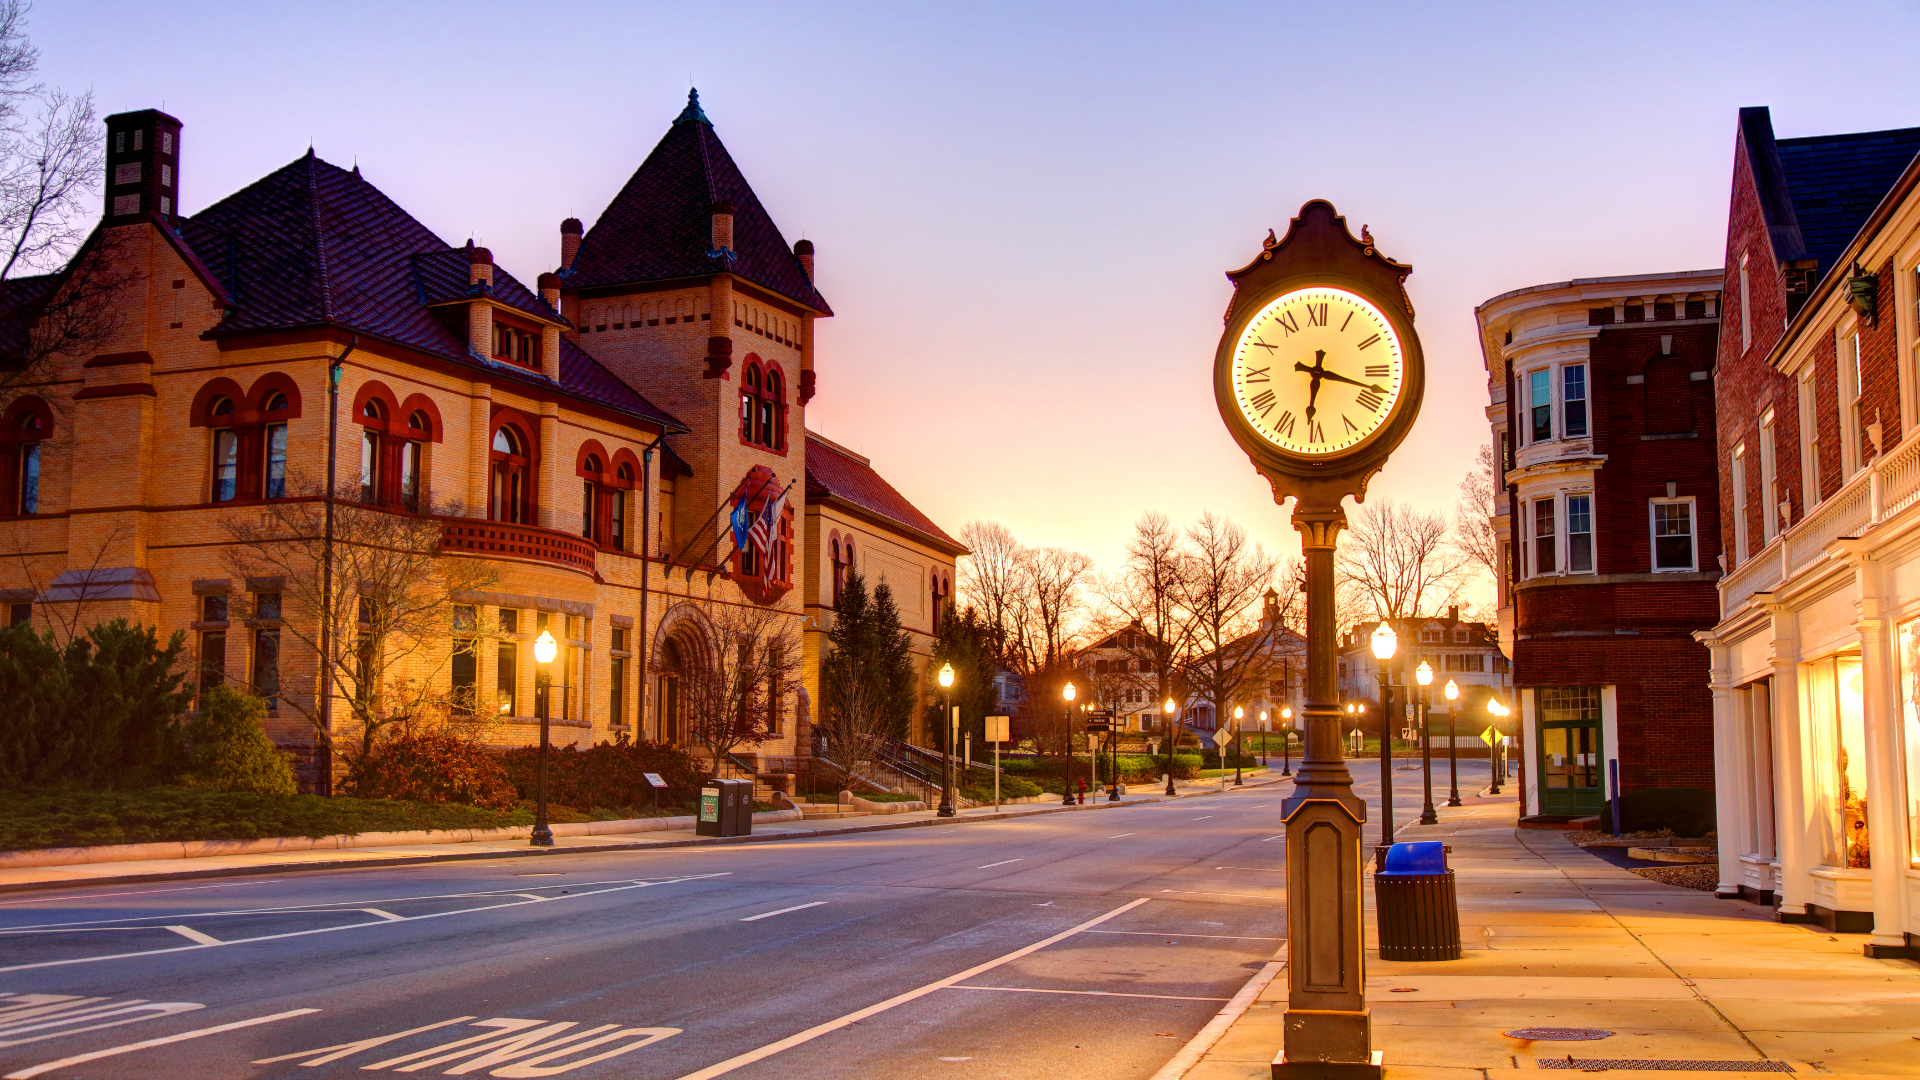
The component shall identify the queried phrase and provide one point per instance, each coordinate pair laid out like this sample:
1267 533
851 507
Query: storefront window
1838 723
1910 722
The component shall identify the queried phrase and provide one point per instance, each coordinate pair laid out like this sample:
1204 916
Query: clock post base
1370 1069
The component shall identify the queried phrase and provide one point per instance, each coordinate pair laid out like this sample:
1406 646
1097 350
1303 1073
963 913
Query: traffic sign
997 729
1223 736
1490 736
1095 726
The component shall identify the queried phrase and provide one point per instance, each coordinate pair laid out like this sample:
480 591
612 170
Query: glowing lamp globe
1453 690
545 648
946 675
1424 674
1385 642
1068 692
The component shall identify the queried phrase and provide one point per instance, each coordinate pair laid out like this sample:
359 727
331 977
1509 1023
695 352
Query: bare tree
735 694
1056 578
1401 560
54 302
1473 531
991 580
1147 594
387 626
1230 576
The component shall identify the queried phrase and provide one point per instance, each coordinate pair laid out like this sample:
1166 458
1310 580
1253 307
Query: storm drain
1546 1034
1662 1065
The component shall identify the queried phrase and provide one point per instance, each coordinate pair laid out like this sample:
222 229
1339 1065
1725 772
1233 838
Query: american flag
765 528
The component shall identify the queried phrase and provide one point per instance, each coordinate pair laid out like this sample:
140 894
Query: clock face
1317 371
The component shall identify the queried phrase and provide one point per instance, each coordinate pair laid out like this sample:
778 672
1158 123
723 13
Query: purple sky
1023 210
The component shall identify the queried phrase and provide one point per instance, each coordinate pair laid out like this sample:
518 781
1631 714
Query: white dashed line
194 936
1002 862
783 911
1117 836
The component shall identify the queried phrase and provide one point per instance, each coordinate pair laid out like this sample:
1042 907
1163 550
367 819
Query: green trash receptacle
1415 904
712 809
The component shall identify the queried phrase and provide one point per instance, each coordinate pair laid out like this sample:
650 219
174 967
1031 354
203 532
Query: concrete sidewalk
1554 937
113 873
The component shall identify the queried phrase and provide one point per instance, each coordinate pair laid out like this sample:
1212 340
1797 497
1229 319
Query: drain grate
1546 1034
1662 1065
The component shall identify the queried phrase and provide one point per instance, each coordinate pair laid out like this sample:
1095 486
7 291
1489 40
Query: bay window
1544 561
1573 396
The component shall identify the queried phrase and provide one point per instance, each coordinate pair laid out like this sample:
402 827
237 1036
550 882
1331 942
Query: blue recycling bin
1416 907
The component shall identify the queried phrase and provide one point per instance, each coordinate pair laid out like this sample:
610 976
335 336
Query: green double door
1571 759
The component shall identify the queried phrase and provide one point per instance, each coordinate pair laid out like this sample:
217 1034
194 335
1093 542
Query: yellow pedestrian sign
1490 736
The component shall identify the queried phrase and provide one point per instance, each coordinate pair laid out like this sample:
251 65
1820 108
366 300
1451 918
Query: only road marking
113 1051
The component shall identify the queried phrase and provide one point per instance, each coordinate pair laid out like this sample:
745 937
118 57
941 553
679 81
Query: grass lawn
42 819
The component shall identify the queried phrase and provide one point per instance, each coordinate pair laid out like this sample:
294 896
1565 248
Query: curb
533 852
1189 1056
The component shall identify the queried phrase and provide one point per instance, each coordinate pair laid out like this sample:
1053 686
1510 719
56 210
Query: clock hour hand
1315 373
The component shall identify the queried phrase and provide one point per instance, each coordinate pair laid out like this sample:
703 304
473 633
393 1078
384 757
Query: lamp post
544 650
1424 675
1286 740
1170 708
1263 738
1068 693
1238 714
1453 752
1385 643
946 759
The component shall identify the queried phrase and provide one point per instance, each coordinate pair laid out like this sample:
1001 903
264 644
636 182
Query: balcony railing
499 540
1878 492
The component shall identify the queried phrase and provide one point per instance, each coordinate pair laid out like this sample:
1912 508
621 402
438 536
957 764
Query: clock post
1320 327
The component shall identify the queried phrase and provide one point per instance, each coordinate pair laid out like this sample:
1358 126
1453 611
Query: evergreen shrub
227 748
102 711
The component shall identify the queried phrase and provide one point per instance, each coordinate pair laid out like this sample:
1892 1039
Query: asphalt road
1095 941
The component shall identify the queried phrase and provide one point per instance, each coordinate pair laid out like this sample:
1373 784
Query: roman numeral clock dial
1318 371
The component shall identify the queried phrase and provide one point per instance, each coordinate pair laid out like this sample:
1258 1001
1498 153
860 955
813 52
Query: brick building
1815 668
591 439
1603 421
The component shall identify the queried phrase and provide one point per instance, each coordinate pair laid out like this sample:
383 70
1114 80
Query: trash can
736 817
712 798
1417 909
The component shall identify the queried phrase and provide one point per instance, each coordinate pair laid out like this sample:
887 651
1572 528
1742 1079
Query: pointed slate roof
660 226
1837 180
314 245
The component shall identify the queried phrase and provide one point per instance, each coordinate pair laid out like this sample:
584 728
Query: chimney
722 225
479 266
570 231
143 166
480 311
550 335
550 290
804 252
1453 613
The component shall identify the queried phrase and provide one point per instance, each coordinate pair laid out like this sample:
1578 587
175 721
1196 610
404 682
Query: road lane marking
387 915
1200 892
1002 862
812 1033
58 1020
1268 839
360 925
1117 836
194 936
1203 817
335 1053
113 1051
1088 993
1216 937
783 911
1262 869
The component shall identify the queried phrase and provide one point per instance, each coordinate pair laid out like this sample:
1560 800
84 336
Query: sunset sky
1023 210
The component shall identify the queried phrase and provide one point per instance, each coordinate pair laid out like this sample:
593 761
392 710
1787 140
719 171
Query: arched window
274 444
370 452
507 496
617 508
590 500
839 572
413 461
763 410
941 591
29 425
226 451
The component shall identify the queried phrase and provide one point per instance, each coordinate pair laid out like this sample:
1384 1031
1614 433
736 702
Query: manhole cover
1545 1034
1662 1065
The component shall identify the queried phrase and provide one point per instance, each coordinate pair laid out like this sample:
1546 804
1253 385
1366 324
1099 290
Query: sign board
997 729
1097 726
653 780
1223 736
1490 736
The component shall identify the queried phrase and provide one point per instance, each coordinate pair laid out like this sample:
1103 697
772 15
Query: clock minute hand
1337 377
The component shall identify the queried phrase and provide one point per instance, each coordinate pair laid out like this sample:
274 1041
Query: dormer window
516 345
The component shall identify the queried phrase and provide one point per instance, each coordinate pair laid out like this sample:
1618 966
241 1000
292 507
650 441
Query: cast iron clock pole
1318 377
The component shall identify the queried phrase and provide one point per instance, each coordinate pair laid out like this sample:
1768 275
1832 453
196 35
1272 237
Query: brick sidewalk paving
1554 937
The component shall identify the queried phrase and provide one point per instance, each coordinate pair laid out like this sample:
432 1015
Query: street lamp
1170 707
1286 740
1385 643
1453 752
544 650
946 759
1068 693
1424 676
1238 713
1263 738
